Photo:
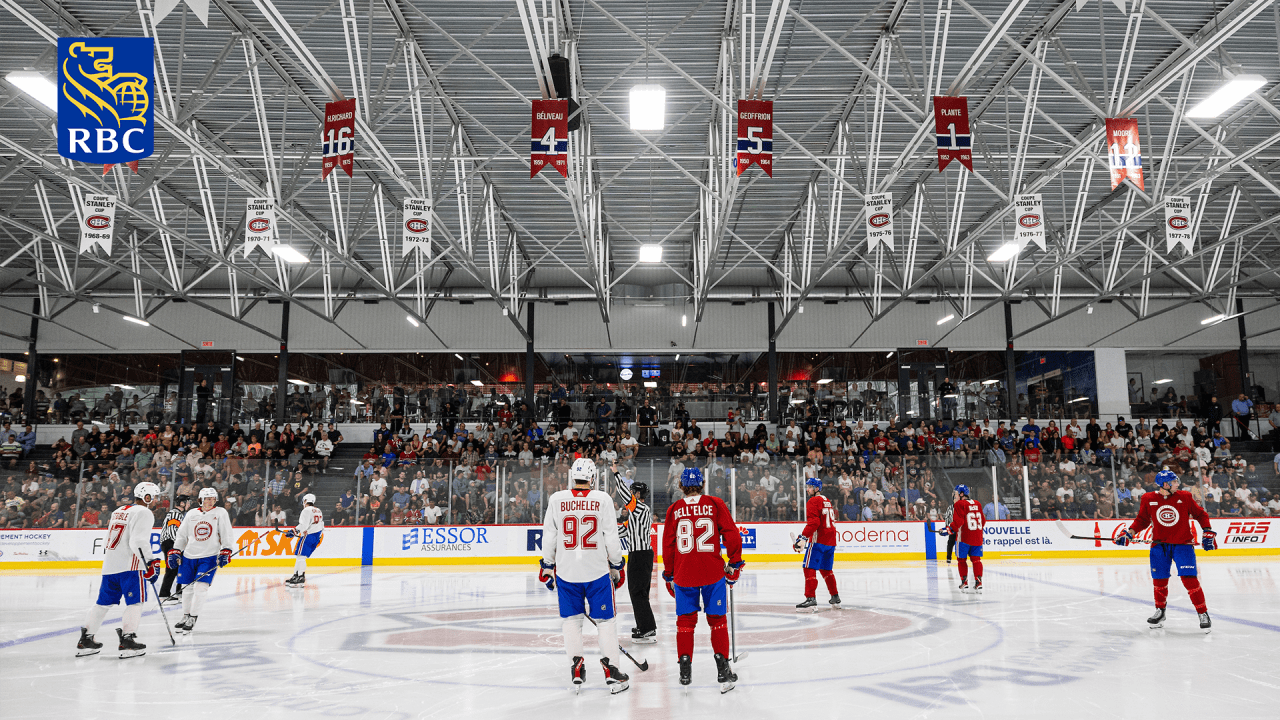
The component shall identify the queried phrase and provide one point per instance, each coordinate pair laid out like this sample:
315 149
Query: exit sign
206 343
922 343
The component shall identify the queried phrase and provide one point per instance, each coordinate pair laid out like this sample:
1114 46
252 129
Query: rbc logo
105 113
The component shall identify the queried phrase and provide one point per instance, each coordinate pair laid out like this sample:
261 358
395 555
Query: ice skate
1205 623
614 678
578 673
89 646
185 625
647 638
809 604
964 586
129 646
725 674
977 585
296 580
835 602
1157 620
686 670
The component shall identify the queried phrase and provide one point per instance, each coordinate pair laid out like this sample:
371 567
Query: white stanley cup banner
260 225
1028 211
879 218
416 229
1177 223
97 221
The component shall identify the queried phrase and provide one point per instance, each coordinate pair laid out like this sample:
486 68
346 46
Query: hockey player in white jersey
582 561
128 564
202 546
309 531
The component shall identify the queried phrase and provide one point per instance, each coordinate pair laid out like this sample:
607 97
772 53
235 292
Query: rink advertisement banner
415 232
97 221
755 135
339 137
1028 212
549 145
1177 223
86 548
879 218
105 113
259 225
951 122
1235 536
1124 151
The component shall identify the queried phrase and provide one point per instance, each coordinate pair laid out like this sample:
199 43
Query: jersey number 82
685 542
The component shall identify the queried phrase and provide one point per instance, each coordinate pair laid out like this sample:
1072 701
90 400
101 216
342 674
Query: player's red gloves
669 579
1124 538
733 571
547 574
618 574
175 559
224 557
153 569
1209 541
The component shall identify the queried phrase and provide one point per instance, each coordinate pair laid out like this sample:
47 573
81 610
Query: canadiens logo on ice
1247 533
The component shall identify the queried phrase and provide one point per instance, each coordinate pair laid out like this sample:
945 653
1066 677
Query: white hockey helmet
143 489
308 499
208 493
583 470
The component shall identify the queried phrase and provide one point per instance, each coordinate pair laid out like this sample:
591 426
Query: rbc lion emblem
105 90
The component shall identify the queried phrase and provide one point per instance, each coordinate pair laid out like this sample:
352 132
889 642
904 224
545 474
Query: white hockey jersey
203 534
310 521
128 533
580 535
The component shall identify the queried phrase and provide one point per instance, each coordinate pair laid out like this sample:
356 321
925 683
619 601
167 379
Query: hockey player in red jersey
820 534
967 521
696 574
1168 512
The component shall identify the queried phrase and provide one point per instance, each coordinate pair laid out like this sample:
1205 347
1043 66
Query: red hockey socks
830 577
964 569
1162 591
977 568
719 635
1192 584
684 633
810 582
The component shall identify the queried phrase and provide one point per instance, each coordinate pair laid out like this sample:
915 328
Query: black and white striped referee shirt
635 527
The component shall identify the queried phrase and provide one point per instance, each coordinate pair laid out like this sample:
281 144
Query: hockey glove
618 574
547 574
945 531
175 559
669 579
1210 540
291 533
224 557
1124 538
153 569
733 571
798 545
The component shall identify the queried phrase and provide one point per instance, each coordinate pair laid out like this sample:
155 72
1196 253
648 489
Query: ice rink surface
1064 639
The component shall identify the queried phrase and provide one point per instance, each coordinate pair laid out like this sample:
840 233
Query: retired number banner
260 225
1028 210
879 220
105 114
1124 151
97 221
755 135
1177 223
339 136
415 233
550 141
951 122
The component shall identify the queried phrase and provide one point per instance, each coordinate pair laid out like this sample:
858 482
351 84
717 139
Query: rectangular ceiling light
137 321
289 254
824 381
648 107
1007 251
651 253
650 384
1212 320
477 383
1222 100
1163 381
37 86
411 320
946 319
298 382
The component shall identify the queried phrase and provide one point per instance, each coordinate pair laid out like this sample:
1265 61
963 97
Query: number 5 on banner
757 145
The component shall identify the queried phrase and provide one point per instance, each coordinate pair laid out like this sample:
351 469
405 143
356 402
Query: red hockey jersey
821 524
967 520
695 527
1170 517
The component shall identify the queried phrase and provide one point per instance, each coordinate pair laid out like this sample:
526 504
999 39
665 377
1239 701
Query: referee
635 523
172 522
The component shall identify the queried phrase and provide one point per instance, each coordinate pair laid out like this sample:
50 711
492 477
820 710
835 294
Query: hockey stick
164 618
242 549
733 630
1063 529
644 666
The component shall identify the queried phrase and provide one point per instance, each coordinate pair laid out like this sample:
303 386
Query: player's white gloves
618 574
547 574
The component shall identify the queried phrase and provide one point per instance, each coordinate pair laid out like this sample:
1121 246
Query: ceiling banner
1124 151
879 216
415 231
1028 210
260 225
755 135
339 136
550 141
951 122
105 113
97 221
1177 223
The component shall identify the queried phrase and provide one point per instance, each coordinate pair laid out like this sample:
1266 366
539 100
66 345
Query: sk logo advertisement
105 113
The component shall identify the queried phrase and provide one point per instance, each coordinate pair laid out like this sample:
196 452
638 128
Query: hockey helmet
1164 477
640 490
814 482
963 490
143 489
308 499
208 493
691 477
583 470
181 500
